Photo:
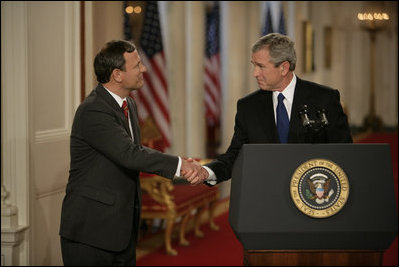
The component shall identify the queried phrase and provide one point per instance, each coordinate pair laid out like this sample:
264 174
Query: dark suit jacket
255 122
101 207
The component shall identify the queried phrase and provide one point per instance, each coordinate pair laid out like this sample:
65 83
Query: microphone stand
314 127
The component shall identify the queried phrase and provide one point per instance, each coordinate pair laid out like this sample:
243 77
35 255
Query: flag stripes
212 89
153 100
212 67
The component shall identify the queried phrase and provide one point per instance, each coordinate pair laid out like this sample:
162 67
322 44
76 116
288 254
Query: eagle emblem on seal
319 188
319 185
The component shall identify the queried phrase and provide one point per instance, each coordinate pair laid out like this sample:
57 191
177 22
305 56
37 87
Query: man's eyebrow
256 63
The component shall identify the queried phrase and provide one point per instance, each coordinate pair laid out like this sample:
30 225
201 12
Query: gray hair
281 49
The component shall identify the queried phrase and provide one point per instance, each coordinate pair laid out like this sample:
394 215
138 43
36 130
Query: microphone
321 114
303 113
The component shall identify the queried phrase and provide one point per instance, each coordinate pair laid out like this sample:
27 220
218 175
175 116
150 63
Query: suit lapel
134 120
266 116
114 105
297 131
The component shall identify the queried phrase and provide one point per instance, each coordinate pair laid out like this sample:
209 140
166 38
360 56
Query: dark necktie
283 122
125 109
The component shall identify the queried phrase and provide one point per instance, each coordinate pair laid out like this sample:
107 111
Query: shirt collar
288 92
116 97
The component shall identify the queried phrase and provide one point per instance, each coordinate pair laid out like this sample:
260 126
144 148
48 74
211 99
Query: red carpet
221 248
217 248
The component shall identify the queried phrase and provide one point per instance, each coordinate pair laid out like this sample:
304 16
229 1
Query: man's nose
143 68
255 72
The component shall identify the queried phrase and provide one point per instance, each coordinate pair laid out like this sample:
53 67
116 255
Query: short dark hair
111 57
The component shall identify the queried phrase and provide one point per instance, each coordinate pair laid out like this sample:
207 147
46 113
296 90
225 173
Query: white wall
350 70
15 135
50 95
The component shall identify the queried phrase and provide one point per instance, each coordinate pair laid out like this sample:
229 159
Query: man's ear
117 75
285 67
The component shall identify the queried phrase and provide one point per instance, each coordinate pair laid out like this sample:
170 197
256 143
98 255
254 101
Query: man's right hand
193 172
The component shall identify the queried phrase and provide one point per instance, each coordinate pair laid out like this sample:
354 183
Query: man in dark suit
101 209
282 110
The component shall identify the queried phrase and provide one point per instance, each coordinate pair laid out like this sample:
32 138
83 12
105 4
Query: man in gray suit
101 209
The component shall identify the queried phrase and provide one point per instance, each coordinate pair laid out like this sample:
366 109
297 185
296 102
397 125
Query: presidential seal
319 188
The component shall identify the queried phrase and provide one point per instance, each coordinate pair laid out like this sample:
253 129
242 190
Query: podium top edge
329 144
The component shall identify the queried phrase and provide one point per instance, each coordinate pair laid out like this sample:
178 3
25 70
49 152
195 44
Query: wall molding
51 193
54 135
50 135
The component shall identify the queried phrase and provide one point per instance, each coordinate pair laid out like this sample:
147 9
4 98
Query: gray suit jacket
102 204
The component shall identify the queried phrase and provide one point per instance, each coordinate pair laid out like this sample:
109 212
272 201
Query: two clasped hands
193 172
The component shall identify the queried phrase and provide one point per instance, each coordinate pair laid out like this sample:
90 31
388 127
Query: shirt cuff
212 180
177 174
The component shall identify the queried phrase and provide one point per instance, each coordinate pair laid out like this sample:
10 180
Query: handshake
193 172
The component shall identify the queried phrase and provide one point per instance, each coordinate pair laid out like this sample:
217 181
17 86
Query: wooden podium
275 231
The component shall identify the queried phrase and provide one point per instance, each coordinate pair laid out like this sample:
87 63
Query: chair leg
150 225
212 223
183 240
168 236
197 222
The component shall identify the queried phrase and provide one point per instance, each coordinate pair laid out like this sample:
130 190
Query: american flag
272 7
268 26
212 76
281 26
153 100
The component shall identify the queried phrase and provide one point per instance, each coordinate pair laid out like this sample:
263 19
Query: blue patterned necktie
283 123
